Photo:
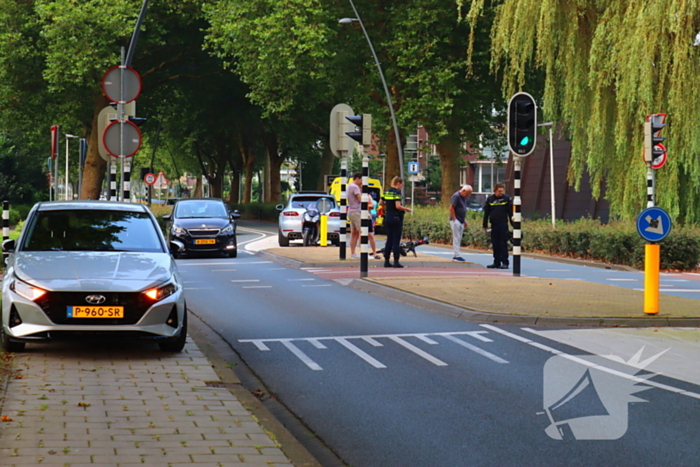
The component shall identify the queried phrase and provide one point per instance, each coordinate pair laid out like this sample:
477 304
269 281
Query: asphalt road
387 384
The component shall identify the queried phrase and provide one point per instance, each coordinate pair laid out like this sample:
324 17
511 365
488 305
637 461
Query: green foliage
617 242
608 64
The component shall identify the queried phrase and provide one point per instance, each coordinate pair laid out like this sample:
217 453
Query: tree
607 65
53 55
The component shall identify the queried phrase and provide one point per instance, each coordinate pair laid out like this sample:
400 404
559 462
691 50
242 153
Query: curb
485 316
488 317
269 413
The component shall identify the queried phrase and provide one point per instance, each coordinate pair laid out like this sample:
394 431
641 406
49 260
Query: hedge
616 243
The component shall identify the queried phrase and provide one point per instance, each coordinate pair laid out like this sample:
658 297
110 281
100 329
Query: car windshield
304 202
92 230
199 209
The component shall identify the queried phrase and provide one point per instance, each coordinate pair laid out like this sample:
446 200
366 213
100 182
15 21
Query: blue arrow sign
653 224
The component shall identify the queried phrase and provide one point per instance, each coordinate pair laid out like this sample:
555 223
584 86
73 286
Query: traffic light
522 124
363 133
652 141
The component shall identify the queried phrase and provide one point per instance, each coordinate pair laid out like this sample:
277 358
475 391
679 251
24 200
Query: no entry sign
112 138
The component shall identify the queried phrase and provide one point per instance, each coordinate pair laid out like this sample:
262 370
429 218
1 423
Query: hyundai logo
95 299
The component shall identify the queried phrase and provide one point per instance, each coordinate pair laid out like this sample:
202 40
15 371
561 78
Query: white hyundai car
92 269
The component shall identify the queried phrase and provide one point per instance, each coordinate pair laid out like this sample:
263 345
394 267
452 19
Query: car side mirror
279 207
235 215
167 217
9 245
176 247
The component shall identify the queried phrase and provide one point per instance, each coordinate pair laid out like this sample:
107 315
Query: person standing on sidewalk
499 210
458 219
393 222
354 193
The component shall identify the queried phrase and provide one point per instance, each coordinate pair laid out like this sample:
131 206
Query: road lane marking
256 287
301 355
476 349
621 279
426 339
417 351
582 361
372 340
360 353
316 343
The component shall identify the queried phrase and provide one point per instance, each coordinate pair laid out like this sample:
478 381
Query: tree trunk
393 166
248 188
449 150
95 166
235 188
198 188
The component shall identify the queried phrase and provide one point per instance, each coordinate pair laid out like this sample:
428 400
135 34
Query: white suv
290 219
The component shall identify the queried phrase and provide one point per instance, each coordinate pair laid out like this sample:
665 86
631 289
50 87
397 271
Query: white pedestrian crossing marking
319 343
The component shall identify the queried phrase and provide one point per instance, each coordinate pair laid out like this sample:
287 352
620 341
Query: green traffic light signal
524 141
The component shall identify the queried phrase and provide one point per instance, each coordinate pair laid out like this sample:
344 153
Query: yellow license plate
95 312
205 241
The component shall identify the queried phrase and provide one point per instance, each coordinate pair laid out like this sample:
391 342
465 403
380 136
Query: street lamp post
66 182
381 75
551 171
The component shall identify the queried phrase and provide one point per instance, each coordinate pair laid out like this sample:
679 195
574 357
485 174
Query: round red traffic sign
122 138
112 84
150 179
660 161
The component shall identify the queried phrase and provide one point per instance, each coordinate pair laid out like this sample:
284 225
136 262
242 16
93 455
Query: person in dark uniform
499 210
393 222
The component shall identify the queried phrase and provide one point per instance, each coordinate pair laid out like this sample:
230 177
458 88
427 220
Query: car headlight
159 293
27 291
178 230
228 229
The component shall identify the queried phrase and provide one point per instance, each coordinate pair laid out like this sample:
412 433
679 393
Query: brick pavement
111 404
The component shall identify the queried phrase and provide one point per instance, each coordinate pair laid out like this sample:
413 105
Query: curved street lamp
381 75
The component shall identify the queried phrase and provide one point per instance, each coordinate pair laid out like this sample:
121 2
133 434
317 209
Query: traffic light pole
343 204
650 186
517 218
364 241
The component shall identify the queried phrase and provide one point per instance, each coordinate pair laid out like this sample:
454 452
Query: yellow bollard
652 255
324 230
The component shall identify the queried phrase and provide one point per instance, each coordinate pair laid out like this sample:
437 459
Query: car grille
55 305
203 232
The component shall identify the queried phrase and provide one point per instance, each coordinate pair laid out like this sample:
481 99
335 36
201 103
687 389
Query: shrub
617 242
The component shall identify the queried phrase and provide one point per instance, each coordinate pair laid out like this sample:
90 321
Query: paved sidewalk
114 404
